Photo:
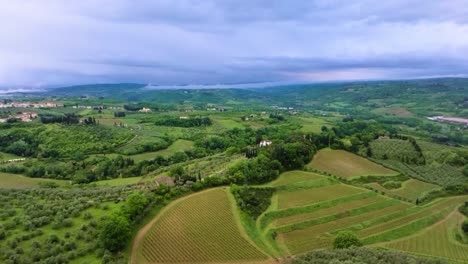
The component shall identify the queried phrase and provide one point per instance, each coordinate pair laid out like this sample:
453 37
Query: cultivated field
393 149
345 164
309 218
295 177
315 195
410 189
179 145
199 229
16 181
436 241
119 181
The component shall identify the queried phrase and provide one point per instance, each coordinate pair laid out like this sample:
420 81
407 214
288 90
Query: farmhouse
144 110
265 143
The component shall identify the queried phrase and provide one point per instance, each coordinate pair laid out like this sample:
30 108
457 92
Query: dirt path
141 234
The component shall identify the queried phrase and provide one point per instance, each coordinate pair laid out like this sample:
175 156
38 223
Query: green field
179 145
315 195
309 218
295 177
436 241
119 181
8 156
345 164
410 189
199 229
16 181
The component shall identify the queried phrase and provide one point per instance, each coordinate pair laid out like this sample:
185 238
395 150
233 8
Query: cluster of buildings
457 120
30 105
23 117
145 110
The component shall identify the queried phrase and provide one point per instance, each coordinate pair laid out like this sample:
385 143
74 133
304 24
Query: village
30 105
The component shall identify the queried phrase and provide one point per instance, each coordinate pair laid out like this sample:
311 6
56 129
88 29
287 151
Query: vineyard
301 220
443 175
345 164
199 229
295 177
438 240
394 149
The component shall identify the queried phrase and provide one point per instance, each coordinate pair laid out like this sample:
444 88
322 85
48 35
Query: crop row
272 215
339 208
436 241
425 211
201 228
310 238
304 197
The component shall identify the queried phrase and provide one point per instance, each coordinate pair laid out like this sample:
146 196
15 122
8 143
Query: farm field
345 164
337 209
16 181
436 241
8 156
315 195
393 149
295 177
316 237
309 219
410 189
119 181
179 145
200 228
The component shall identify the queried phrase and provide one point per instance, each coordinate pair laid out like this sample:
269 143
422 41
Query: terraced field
315 195
410 189
306 212
316 236
295 177
201 228
341 208
438 240
307 219
345 164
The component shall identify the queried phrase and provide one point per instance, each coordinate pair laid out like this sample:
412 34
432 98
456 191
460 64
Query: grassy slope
345 164
411 189
179 145
16 181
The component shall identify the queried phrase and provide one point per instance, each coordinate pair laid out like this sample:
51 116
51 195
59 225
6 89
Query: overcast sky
59 42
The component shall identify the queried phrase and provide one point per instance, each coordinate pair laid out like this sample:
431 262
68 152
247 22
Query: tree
115 232
135 204
346 239
465 226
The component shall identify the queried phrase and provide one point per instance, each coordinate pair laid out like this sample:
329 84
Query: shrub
392 185
346 239
465 226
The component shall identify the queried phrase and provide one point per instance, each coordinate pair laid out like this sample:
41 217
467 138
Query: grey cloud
51 42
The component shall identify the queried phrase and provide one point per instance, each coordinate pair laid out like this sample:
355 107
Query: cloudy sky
57 42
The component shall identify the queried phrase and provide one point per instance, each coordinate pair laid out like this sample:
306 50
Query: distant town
458 120
30 105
